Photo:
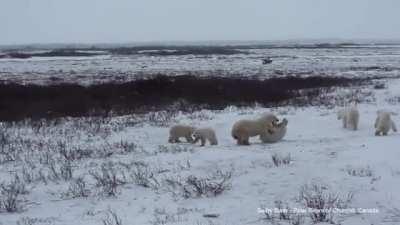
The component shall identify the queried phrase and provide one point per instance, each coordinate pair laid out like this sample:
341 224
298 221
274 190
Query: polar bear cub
349 116
179 131
242 130
204 134
276 133
384 123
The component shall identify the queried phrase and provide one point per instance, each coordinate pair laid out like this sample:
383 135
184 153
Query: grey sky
59 21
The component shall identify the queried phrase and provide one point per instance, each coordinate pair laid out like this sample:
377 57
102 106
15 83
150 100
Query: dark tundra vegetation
159 93
143 50
52 53
22 52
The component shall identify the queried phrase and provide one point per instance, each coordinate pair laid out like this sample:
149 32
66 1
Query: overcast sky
91 21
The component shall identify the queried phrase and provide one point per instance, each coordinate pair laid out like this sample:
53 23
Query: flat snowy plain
352 169
122 170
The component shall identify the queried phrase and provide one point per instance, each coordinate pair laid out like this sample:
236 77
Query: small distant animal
204 134
242 130
349 116
181 131
384 123
266 61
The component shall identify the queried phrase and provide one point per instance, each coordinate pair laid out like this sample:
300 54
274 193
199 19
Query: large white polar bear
384 123
242 130
349 116
179 131
204 134
276 133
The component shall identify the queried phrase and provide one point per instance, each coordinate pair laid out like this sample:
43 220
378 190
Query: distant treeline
161 92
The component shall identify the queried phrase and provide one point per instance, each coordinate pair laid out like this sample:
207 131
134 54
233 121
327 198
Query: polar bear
276 133
242 130
204 134
349 116
179 131
384 123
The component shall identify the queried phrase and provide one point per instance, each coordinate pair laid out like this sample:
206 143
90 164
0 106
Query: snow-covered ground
145 180
358 61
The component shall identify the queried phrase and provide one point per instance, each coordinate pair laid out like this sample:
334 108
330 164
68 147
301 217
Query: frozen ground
81 171
345 61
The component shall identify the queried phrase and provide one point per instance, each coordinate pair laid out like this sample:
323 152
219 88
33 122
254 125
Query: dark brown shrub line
161 92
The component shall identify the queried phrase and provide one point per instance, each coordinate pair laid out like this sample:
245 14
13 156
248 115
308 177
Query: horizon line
234 42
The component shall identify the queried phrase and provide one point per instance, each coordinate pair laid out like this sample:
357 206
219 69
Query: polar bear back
181 130
248 127
253 128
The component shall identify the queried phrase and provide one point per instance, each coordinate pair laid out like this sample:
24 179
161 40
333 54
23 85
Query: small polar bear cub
204 134
242 130
349 116
384 123
179 131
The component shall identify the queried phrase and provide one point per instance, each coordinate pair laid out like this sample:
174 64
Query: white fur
179 131
204 134
384 123
350 117
242 130
276 134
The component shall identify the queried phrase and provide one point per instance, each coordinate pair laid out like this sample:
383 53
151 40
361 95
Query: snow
348 62
321 152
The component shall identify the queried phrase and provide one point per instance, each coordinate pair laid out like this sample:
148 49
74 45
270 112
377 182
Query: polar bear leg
243 140
213 140
355 124
189 138
394 128
203 141
356 120
196 139
173 139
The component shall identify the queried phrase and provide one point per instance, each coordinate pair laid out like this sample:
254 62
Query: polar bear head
340 114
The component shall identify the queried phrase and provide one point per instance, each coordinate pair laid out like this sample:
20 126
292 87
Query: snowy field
122 170
349 61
